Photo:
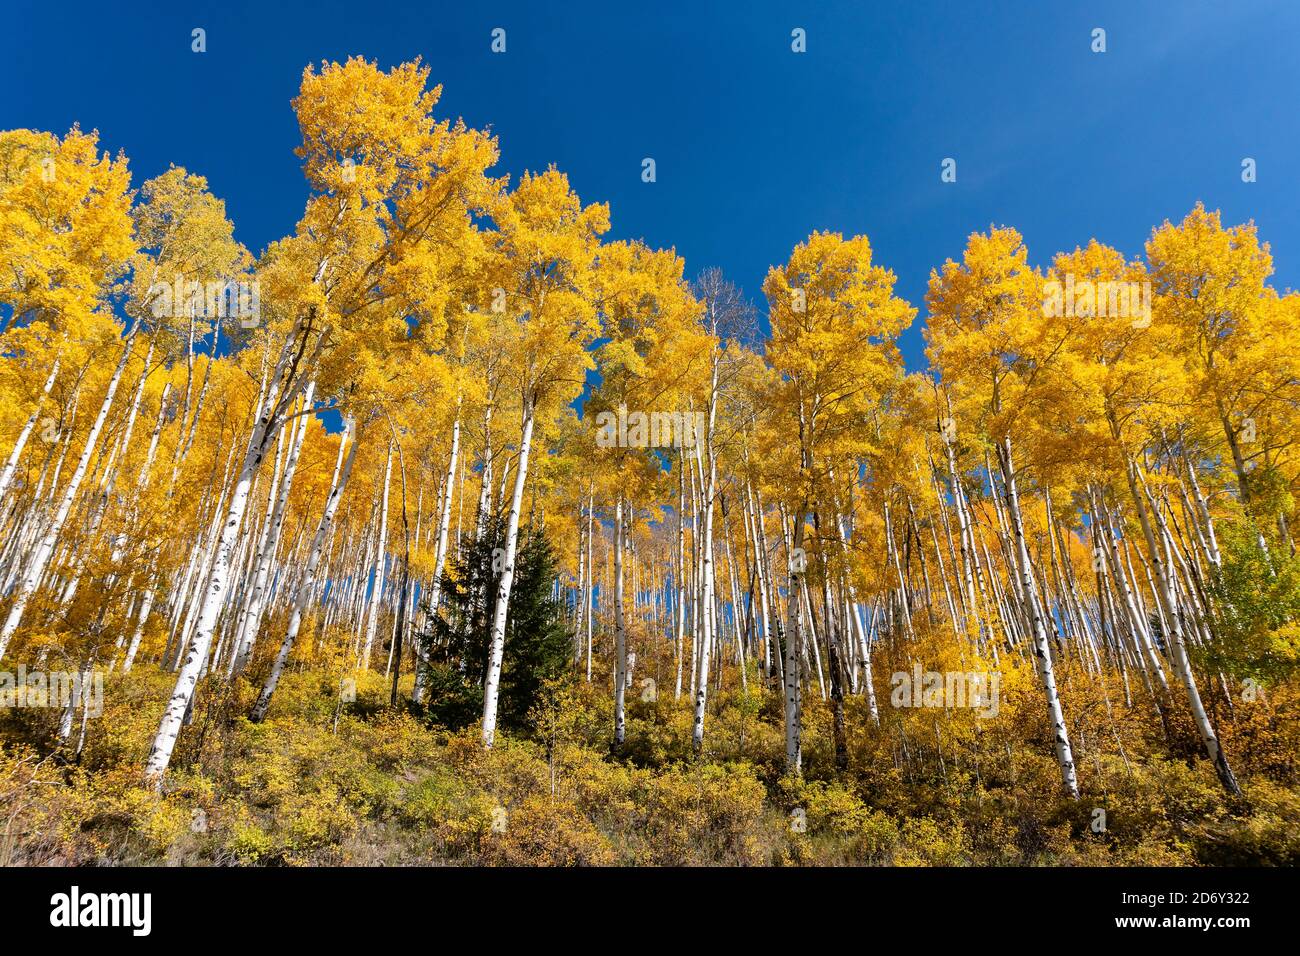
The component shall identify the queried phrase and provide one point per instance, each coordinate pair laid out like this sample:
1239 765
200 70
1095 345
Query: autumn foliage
273 505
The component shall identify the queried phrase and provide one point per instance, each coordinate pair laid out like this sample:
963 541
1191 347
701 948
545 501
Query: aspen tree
834 321
370 241
989 340
546 246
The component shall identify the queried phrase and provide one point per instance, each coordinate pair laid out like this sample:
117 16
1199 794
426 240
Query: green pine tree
538 644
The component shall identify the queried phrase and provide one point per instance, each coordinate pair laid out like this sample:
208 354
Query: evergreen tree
538 643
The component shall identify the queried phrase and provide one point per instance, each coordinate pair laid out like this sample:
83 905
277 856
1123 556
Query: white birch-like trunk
1167 595
342 470
706 617
269 420
205 624
497 641
11 465
40 558
793 655
376 591
679 626
1046 673
440 552
620 629
253 612
146 604
589 598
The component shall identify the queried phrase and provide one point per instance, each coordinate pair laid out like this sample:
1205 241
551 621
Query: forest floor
367 784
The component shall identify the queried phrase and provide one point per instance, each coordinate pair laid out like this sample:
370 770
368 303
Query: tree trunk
1046 673
11 465
497 641
793 655
269 420
620 629
381 546
40 559
440 553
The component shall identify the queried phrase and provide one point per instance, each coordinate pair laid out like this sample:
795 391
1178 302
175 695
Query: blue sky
755 145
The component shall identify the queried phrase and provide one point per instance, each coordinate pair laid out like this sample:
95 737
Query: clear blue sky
755 145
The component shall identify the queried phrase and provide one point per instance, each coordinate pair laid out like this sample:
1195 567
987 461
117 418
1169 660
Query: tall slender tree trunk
253 612
1043 653
440 551
15 455
269 421
620 628
342 470
1162 558
497 640
40 558
381 548
590 609
793 654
